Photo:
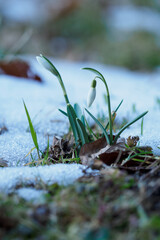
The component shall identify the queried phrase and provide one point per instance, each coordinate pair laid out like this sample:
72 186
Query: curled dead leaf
60 148
132 141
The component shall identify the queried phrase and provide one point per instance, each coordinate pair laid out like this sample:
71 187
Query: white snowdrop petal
44 63
91 96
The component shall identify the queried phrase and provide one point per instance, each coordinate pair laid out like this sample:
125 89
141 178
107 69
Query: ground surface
140 93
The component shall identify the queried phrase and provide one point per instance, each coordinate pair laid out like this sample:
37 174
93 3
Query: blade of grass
129 124
33 133
114 113
100 125
30 152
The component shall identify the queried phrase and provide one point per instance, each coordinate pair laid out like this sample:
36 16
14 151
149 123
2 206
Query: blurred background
122 33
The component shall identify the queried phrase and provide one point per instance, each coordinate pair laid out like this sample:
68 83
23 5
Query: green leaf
100 125
78 110
33 133
72 119
63 112
79 113
90 130
129 124
114 114
82 132
83 121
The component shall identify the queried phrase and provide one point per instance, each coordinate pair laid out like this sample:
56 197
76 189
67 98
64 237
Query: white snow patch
31 194
63 174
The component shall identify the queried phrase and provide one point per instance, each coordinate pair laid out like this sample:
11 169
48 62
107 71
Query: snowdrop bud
92 93
44 62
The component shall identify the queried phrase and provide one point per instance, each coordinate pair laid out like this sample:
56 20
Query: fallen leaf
105 152
116 155
60 148
18 68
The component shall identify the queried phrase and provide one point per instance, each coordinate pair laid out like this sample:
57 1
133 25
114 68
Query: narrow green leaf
114 114
90 130
142 126
100 125
129 124
63 112
72 119
33 133
82 132
79 113
78 110
30 152
83 120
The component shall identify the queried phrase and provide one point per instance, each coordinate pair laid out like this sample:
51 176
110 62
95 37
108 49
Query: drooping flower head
92 93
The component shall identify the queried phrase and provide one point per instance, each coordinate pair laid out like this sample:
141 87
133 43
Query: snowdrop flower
44 62
92 93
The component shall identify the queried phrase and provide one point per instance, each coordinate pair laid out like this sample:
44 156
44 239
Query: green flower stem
109 107
101 77
48 65
63 88
109 111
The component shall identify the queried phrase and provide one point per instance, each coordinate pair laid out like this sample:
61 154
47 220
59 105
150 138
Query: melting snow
13 177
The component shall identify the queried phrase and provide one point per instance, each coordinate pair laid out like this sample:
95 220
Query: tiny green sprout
92 93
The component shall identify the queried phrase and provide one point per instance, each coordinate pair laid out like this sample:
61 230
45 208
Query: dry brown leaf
108 154
18 68
60 148
115 155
